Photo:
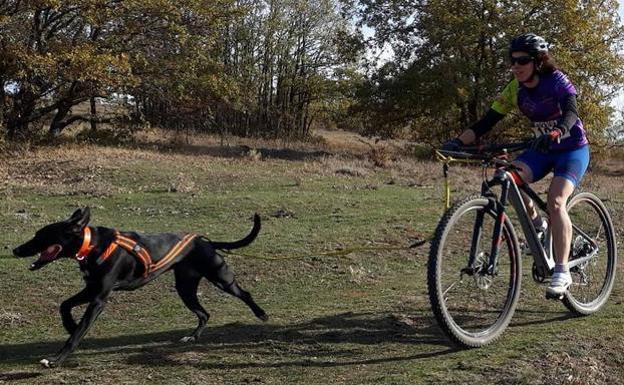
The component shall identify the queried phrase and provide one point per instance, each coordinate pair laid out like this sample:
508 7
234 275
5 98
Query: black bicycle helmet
529 43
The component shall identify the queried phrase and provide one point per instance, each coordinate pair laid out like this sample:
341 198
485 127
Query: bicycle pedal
557 297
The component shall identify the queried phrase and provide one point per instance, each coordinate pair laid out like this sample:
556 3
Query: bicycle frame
511 185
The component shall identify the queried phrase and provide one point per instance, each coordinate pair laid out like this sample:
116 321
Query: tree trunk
93 114
18 117
58 124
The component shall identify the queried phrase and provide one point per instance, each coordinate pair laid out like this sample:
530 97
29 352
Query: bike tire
593 281
449 315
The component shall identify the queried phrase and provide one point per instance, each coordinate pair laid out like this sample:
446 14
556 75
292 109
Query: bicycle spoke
597 237
450 287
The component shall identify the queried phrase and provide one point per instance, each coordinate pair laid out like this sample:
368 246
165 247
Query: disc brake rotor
482 278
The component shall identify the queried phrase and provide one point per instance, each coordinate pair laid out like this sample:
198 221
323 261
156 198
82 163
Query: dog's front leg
93 310
84 296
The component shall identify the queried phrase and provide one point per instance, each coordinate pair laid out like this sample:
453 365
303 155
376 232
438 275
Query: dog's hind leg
223 278
234 289
186 283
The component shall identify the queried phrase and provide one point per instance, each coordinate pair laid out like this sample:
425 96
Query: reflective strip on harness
107 253
131 246
173 252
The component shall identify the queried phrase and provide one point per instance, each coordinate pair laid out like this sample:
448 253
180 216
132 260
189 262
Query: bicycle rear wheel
473 309
592 280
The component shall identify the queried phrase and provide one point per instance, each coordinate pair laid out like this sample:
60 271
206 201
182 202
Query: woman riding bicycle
547 97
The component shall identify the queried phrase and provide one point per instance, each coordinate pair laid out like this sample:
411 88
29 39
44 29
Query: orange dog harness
131 246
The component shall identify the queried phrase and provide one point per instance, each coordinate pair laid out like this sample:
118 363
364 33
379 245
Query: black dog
110 261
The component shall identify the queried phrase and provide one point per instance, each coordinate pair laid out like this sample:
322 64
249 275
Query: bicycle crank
557 297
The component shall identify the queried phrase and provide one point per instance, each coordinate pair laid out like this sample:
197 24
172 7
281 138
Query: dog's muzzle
20 252
46 256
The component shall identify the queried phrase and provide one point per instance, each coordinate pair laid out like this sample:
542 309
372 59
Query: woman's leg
561 227
533 166
569 169
527 175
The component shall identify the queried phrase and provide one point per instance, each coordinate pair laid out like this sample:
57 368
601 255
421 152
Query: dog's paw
188 339
263 317
47 363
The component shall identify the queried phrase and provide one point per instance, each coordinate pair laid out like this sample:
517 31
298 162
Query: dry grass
54 168
9 319
70 167
380 156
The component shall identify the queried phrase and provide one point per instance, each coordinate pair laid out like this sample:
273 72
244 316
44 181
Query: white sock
562 268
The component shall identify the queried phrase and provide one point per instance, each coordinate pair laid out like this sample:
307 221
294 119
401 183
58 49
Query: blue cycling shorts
570 164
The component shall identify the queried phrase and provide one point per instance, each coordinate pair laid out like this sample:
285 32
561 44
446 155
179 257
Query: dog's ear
79 219
76 214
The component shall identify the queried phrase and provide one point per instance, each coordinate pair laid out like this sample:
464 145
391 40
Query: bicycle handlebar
487 152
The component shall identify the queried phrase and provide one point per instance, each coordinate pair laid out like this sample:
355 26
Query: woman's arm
569 115
482 127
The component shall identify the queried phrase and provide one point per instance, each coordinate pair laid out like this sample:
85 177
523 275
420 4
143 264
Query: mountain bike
475 261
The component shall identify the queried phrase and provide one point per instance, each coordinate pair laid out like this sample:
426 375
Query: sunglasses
522 60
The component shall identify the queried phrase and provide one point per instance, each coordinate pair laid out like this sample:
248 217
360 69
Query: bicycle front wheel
593 241
472 306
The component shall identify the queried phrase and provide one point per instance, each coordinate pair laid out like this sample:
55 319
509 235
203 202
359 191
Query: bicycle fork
498 207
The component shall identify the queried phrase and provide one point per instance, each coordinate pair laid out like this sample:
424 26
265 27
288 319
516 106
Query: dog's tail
243 242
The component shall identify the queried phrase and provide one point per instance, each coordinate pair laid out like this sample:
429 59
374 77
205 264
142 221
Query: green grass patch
358 318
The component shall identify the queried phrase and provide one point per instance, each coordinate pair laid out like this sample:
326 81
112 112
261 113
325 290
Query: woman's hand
543 142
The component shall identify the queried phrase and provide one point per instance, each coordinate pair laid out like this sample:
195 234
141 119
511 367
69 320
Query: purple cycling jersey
542 105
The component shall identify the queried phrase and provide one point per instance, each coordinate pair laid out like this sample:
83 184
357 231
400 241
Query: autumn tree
248 67
450 59
182 80
285 55
56 54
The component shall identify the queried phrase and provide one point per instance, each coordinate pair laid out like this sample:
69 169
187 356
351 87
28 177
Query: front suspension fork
498 206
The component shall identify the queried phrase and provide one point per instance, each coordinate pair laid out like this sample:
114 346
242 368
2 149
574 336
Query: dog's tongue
47 256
